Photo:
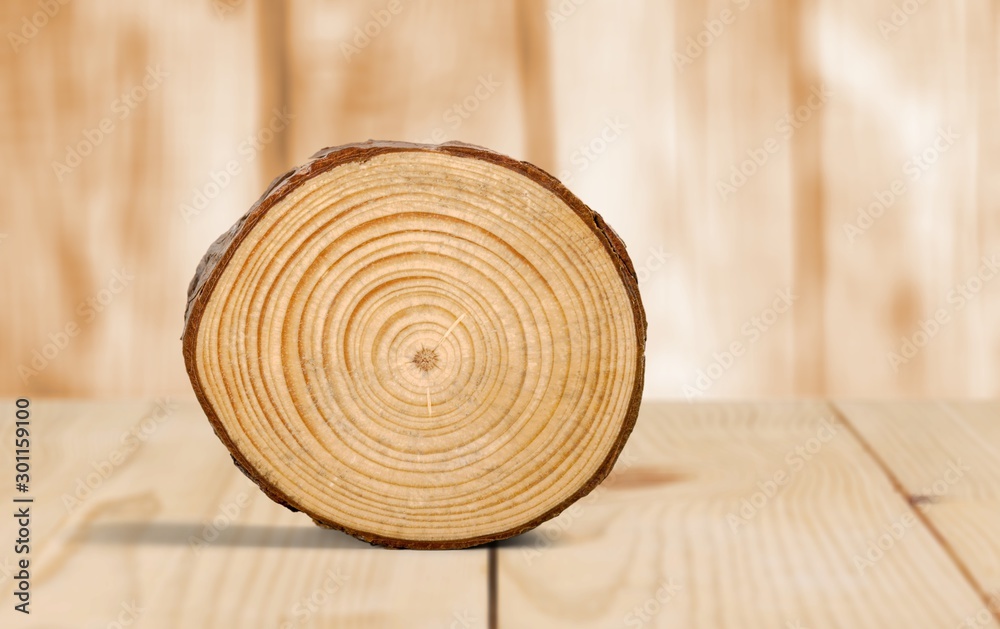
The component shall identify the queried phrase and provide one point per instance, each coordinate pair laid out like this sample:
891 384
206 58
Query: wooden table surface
799 514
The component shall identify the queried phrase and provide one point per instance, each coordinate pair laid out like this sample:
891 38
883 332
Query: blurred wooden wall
647 110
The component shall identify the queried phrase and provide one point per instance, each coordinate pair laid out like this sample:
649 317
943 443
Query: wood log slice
422 346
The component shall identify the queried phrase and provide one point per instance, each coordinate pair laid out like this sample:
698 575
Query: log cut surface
423 346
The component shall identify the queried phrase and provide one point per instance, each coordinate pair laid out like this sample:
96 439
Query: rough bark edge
221 251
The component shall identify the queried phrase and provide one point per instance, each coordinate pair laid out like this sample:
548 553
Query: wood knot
918 500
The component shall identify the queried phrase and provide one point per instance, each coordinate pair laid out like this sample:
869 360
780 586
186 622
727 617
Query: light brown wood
434 71
424 346
905 223
664 542
657 525
651 148
511 76
946 457
112 244
199 546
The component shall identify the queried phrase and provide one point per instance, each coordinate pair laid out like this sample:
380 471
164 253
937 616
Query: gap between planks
492 604
920 516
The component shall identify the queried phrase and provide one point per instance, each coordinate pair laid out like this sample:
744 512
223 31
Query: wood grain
426 346
200 547
910 213
110 248
654 546
651 149
659 546
592 91
946 457
426 71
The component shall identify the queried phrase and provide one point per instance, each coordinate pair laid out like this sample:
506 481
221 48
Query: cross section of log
422 346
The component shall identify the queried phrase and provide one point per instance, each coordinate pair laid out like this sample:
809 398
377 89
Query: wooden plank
154 95
414 70
539 80
665 544
651 129
946 457
908 145
252 563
